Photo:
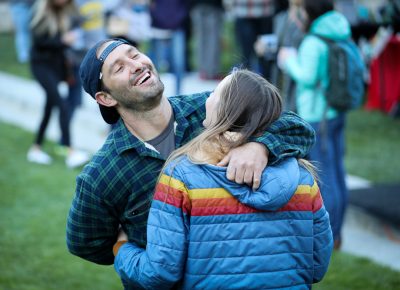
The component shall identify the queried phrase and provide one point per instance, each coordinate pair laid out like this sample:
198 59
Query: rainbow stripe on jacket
205 232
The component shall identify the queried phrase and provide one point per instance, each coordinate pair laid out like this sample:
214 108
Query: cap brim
110 115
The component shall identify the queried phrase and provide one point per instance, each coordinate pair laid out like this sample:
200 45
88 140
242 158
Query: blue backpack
346 69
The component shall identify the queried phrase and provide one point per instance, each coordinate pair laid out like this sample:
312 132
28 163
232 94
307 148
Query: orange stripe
304 202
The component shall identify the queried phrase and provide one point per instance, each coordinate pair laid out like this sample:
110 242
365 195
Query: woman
52 33
208 232
309 69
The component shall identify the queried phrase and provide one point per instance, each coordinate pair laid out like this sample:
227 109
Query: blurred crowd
261 27
272 38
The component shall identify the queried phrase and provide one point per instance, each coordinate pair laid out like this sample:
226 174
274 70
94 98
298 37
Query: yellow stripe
172 182
194 193
220 192
209 193
307 189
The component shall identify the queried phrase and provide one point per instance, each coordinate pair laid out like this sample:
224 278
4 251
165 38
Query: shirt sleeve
91 228
289 136
161 265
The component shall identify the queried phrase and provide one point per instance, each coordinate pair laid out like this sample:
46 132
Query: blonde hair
248 105
47 18
310 167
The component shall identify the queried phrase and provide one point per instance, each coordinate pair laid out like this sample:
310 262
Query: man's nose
135 66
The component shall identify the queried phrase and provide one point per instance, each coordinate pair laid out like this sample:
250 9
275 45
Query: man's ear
105 99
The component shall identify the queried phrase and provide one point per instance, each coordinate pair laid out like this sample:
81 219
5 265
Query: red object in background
384 87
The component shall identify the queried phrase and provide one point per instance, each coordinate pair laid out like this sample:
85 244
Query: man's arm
289 136
91 228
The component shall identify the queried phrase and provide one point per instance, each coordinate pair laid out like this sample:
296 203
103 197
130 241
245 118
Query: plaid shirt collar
125 140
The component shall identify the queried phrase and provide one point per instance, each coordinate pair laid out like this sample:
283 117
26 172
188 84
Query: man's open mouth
142 78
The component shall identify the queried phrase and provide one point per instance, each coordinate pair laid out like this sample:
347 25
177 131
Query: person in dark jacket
51 35
168 43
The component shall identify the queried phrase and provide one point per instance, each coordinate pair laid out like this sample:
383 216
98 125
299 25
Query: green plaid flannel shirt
116 187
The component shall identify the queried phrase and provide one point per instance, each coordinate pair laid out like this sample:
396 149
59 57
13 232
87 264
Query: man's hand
246 163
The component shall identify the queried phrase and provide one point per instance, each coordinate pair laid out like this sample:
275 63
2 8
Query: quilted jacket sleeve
161 265
323 240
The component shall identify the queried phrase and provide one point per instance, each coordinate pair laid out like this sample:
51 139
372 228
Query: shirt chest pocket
138 212
136 221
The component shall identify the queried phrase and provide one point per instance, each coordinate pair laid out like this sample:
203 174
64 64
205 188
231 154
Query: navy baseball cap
90 72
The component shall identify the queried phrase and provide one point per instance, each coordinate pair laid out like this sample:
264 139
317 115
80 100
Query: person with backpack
310 68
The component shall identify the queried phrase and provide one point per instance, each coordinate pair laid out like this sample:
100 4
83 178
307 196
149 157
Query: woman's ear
105 99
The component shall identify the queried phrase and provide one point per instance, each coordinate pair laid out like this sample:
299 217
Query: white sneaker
76 158
36 155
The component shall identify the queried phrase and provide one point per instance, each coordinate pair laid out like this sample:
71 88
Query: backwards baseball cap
90 72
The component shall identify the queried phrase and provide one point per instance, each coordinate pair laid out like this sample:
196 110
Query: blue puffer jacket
201 236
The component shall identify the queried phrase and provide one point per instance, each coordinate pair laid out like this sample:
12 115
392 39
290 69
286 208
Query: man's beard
139 101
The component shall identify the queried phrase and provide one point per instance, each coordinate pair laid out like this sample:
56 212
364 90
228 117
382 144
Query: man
115 188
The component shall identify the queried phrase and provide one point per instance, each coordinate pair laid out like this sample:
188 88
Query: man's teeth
143 78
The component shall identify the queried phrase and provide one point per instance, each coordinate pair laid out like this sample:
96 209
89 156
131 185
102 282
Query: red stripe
172 196
303 202
212 202
222 210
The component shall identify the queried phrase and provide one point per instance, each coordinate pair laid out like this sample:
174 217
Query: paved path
22 102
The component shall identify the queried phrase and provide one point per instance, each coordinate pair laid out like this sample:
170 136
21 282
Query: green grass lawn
34 204
373 146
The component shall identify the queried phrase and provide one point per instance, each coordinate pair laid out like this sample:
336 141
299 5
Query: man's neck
148 125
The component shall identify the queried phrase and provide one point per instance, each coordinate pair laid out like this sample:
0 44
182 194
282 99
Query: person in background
168 41
207 23
130 20
51 33
92 13
115 188
199 218
21 15
251 19
288 30
309 69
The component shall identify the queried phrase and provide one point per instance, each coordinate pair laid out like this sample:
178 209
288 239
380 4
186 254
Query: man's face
131 78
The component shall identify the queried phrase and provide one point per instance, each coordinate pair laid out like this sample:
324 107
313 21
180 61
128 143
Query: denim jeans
328 152
21 14
172 51
246 32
